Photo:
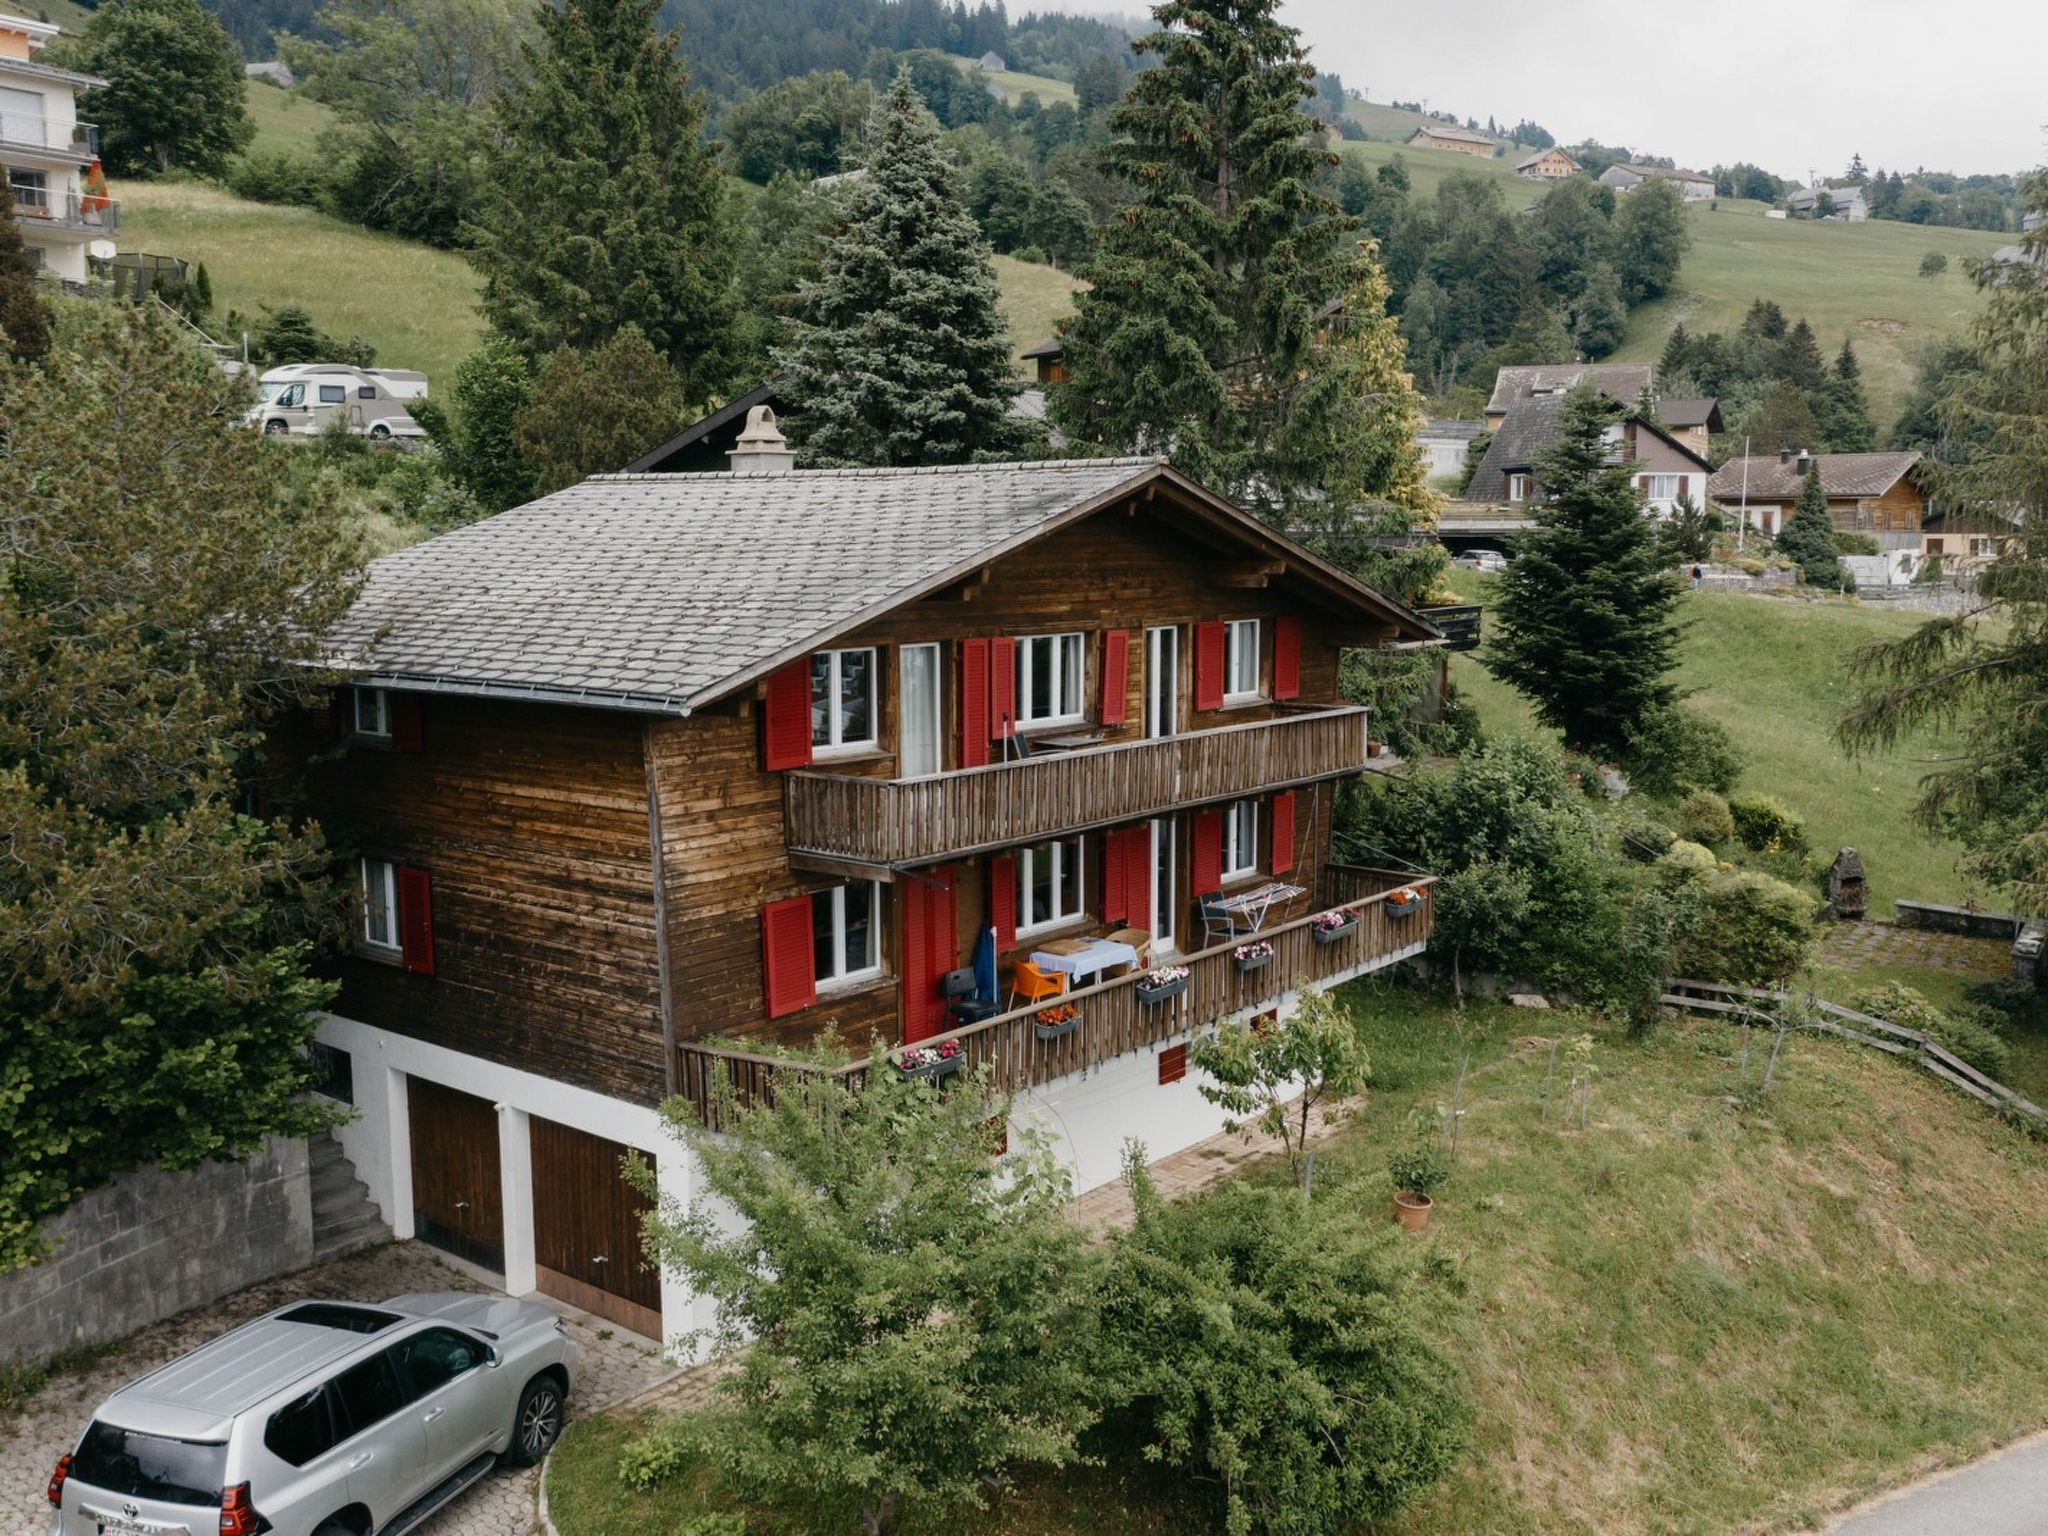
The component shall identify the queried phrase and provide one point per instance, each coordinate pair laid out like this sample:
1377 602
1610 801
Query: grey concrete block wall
153 1243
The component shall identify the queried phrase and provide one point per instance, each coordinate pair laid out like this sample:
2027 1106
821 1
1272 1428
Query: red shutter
1685 485
1138 877
1643 485
789 966
1115 894
1173 1064
1205 860
1002 686
1116 675
1002 901
1287 657
416 919
1282 859
974 691
1209 666
786 719
407 733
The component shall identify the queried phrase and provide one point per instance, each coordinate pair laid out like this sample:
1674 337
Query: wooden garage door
586 1228
458 1200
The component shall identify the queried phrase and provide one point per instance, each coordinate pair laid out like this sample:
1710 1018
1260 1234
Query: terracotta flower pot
1412 1210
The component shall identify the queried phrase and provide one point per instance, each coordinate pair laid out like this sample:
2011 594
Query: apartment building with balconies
49 155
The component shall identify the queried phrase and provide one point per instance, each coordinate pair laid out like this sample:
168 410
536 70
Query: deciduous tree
174 87
1650 239
1277 1078
592 413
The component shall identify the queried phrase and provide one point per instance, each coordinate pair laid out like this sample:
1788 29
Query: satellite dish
102 250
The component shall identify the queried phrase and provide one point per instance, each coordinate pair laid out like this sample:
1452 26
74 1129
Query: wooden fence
1114 1022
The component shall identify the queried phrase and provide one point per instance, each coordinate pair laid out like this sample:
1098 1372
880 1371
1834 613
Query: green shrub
1850 542
1647 840
1704 818
278 176
1035 254
1766 824
1750 929
1420 1166
1675 750
1752 567
651 1460
1687 861
1969 1031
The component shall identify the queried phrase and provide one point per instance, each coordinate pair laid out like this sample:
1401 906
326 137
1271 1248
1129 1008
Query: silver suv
325 1418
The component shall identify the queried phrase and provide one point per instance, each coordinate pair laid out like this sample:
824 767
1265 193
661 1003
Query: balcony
28 130
36 209
905 822
1113 1022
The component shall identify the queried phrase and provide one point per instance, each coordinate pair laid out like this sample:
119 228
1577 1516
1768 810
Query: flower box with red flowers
932 1061
1404 902
1060 1019
1329 927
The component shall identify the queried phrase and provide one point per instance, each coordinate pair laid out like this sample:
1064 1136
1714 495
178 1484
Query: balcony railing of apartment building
1114 1021
35 207
38 132
907 821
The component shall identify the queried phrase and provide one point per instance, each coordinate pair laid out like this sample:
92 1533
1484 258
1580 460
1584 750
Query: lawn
285 120
1771 671
1703 1312
417 305
1014 83
1034 297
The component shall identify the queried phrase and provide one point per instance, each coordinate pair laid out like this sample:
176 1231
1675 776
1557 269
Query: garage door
458 1201
586 1229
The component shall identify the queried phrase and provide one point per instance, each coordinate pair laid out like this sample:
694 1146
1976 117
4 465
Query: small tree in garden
910 1319
1275 1079
1809 538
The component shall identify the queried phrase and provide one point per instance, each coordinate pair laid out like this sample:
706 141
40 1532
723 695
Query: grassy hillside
1770 670
1015 83
1034 296
1396 123
285 120
1859 281
415 304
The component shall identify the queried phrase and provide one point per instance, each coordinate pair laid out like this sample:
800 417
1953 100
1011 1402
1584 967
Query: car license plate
120 1525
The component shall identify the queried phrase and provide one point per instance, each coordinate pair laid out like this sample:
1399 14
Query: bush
1675 750
1750 930
277 176
1687 861
1752 567
1035 254
651 1460
1766 824
1849 542
1969 1031
1933 264
1703 818
1277 1351
1647 840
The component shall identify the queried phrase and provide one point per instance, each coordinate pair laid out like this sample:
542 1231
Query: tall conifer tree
1585 625
602 204
902 356
1208 330
24 323
1809 537
1842 408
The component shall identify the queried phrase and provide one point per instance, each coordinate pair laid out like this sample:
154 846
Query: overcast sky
1792 85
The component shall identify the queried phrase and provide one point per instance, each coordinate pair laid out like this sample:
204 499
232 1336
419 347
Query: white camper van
301 399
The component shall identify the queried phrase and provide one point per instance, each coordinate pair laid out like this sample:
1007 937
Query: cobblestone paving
1860 944
613 1365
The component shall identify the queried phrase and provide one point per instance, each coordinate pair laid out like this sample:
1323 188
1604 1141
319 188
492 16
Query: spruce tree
1205 331
1677 358
24 323
602 206
902 356
1843 410
1600 318
1809 537
1799 361
1584 626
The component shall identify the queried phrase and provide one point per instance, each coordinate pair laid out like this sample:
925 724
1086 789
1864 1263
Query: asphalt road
2003 1495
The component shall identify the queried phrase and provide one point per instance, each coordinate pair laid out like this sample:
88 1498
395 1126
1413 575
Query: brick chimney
761 449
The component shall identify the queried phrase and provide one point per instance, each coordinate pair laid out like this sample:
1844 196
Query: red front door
931 947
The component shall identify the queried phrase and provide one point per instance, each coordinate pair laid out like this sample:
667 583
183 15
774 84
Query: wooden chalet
1881 494
662 774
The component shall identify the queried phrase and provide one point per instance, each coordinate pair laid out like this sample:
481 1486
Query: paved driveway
615 1365
2003 1495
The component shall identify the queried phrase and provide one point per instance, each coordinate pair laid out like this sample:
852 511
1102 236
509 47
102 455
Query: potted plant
1405 902
1418 1170
1162 982
1060 1019
1252 956
932 1062
1329 927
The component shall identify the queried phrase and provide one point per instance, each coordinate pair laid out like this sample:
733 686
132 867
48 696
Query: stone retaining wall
152 1243
1963 920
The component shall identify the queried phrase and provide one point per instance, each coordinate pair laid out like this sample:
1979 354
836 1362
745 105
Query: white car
1481 560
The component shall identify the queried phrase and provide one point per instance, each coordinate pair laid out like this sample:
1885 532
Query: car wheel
380 431
275 429
537 1424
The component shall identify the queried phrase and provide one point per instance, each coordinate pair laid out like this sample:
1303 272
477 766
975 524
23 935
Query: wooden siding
532 822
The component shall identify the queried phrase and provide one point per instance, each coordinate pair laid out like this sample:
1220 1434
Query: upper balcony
905 822
33 131
38 209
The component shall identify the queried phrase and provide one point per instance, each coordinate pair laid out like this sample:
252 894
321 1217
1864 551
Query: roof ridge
891 472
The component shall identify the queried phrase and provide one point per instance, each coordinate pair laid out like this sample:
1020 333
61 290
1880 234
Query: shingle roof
1541 154
1842 475
1446 131
662 593
1450 427
1623 381
1530 427
1690 413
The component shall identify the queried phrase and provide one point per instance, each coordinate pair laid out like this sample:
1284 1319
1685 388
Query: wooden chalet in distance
660 773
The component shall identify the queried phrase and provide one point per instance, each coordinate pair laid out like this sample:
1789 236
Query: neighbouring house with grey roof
656 785
1665 468
1619 381
1692 186
1461 141
1446 445
1876 493
1692 421
1846 203
993 62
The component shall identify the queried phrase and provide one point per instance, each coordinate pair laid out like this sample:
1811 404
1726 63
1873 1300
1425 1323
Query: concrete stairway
344 1218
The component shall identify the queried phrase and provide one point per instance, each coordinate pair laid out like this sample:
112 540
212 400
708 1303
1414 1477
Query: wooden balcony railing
908 821
1113 1021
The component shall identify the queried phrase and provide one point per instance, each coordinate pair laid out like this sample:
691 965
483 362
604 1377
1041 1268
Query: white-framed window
1240 660
373 713
843 700
378 883
1518 487
1661 489
1240 838
1049 884
1982 549
846 933
1050 673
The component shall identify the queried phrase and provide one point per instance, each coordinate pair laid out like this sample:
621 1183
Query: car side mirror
492 1358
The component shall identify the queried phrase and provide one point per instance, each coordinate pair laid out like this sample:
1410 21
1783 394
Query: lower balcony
35 209
1114 1020
905 822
